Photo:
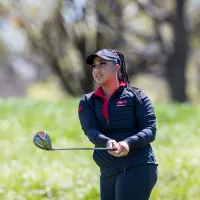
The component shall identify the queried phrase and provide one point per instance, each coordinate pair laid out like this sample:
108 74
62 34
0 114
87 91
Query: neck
109 88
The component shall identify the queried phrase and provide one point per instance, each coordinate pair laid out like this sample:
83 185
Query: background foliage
30 173
49 41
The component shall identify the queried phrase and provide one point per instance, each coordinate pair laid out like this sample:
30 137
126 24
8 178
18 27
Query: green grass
28 173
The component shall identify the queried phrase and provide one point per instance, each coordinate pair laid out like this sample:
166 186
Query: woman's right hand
121 148
111 144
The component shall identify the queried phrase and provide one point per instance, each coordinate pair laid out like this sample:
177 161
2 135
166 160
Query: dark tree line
154 37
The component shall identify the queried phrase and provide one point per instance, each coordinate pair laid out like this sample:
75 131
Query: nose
97 68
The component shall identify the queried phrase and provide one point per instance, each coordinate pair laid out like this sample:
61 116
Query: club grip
110 149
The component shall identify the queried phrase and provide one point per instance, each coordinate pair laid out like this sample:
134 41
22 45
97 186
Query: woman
122 117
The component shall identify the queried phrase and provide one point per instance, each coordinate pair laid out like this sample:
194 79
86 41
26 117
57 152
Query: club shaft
96 148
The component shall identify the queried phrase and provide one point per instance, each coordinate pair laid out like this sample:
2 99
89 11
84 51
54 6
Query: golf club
43 141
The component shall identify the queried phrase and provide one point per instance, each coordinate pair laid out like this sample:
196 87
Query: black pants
134 184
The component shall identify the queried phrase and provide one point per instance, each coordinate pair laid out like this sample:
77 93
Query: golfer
119 116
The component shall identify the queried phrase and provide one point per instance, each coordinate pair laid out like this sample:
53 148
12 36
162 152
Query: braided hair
122 74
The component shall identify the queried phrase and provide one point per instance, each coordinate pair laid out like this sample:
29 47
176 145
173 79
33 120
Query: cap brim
90 58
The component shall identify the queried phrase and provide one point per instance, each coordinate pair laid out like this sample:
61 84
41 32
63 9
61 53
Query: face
103 71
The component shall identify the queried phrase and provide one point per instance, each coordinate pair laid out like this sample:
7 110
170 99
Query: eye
102 63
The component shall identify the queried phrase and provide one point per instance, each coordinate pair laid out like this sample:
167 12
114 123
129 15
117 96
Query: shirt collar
99 92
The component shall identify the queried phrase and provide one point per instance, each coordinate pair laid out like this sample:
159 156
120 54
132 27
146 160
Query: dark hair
123 75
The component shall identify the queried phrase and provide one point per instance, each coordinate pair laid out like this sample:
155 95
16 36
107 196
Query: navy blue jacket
131 118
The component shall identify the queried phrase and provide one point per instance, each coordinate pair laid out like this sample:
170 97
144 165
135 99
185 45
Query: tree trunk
58 72
177 60
87 82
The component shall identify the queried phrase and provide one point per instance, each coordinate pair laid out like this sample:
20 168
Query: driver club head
42 140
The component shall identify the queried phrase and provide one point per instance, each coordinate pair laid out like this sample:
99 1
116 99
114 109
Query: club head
42 140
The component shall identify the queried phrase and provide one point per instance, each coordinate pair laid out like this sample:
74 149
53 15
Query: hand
123 148
112 144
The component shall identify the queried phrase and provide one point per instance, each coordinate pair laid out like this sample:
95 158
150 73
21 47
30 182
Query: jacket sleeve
146 122
90 124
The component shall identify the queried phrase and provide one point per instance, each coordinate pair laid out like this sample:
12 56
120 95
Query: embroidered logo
121 102
100 52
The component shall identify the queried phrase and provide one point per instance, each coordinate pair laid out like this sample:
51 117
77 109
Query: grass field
28 173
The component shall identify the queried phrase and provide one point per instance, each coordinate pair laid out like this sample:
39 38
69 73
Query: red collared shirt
99 93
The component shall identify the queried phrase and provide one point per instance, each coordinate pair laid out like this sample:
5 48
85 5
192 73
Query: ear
117 67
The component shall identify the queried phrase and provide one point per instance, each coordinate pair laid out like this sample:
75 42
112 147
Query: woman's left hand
123 148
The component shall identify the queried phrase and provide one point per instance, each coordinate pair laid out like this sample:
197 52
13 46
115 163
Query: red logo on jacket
80 108
121 102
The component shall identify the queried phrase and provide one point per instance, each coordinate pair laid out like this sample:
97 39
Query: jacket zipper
124 169
108 107
108 113
123 164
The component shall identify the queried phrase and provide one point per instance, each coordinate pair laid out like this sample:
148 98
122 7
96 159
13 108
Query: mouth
98 76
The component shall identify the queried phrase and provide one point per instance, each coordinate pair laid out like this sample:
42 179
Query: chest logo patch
121 102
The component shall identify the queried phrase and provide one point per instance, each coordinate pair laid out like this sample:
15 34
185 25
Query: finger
121 145
112 152
117 153
111 143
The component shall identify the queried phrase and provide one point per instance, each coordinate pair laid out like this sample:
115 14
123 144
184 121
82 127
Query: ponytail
123 75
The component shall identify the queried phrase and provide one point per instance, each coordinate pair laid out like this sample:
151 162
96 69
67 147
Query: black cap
105 54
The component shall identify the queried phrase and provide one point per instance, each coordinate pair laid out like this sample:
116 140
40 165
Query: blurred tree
172 57
10 84
112 33
153 35
62 45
